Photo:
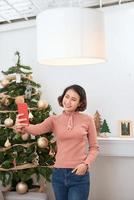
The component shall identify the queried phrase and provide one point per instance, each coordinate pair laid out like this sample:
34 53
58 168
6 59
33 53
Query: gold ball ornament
25 136
8 122
22 188
4 82
42 142
19 99
42 104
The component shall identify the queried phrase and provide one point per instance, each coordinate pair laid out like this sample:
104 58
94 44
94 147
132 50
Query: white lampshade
70 36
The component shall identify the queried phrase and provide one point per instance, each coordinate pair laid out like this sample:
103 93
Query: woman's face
71 101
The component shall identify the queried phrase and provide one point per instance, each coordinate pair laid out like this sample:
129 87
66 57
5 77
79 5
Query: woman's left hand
80 169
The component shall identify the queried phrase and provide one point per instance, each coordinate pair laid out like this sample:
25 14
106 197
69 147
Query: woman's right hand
20 123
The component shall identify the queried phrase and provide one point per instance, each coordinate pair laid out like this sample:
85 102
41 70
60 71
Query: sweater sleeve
38 129
93 144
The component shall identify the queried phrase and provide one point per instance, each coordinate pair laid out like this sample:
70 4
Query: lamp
70 36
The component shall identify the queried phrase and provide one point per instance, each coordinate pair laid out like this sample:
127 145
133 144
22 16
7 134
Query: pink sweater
74 133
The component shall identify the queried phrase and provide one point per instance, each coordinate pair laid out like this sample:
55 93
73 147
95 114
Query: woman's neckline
70 113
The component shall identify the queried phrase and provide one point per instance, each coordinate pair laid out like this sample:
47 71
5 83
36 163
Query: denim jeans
69 186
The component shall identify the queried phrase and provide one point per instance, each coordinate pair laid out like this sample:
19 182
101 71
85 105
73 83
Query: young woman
74 131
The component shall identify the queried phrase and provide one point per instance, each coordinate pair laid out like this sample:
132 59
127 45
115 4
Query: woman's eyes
74 99
67 97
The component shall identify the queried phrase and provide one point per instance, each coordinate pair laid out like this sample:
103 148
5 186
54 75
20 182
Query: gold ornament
5 101
25 136
19 99
42 142
22 188
42 104
30 77
2 95
4 82
8 122
11 77
7 143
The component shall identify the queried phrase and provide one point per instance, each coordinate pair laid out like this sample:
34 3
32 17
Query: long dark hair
80 91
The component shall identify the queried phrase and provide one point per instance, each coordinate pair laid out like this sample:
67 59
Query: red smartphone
23 109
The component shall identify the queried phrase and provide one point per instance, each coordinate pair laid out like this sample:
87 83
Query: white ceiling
20 10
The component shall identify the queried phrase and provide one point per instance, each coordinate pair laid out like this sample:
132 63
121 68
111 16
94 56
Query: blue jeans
69 186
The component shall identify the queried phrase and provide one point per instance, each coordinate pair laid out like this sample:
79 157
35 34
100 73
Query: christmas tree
23 157
104 128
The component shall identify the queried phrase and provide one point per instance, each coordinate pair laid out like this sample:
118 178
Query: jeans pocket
81 178
86 174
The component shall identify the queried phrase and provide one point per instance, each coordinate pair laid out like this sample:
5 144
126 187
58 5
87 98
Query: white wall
112 179
109 86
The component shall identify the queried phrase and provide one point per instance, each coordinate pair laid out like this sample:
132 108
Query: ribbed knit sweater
75 135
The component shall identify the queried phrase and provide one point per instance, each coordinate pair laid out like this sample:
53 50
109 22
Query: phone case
23 109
